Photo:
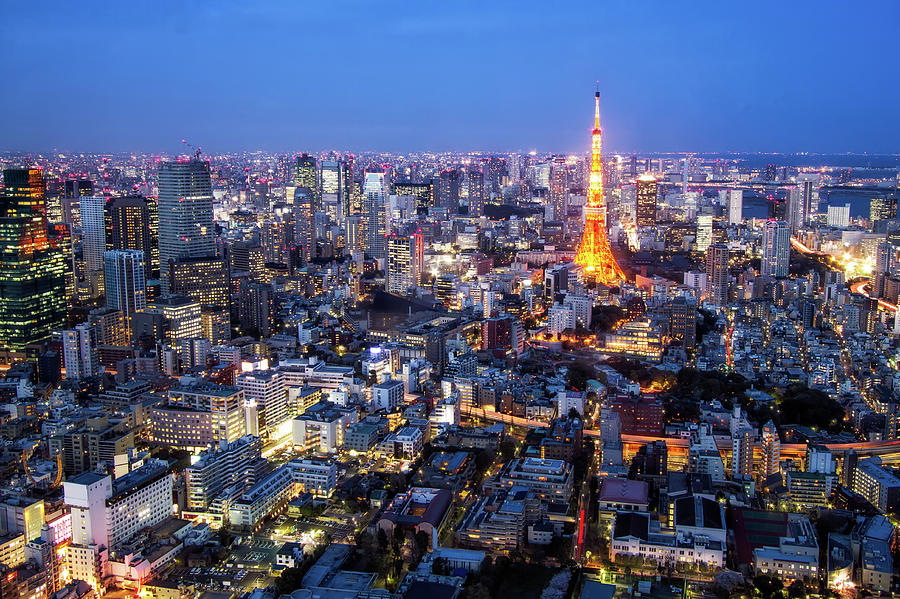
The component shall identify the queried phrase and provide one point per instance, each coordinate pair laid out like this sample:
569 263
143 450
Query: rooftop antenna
196 149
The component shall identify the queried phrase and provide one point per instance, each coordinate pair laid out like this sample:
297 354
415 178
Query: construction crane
196 149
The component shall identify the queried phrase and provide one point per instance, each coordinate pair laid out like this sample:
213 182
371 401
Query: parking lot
219 578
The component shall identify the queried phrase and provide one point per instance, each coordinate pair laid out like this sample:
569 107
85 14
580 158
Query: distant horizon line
7 152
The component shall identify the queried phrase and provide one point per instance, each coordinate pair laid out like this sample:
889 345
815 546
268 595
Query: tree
767 585
508 449
578 375
797 590
382 540
423 542
289 581
397 540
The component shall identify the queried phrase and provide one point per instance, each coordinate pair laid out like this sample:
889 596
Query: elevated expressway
888 451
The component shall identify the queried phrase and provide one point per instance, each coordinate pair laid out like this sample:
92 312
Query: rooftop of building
150 471
623 490
699 512
87 478
206 388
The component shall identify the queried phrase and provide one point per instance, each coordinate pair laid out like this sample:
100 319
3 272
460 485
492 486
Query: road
861 287
888 450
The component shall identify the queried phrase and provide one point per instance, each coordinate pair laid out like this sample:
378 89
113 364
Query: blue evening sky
779 76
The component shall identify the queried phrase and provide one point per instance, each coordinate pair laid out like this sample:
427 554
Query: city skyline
395 373
451 79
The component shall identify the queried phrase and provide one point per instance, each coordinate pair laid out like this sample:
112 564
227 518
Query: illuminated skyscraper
595 254
93 225
496 174
882 208
186 228
559 187
203 279
802 201
645 210
304 222
337 182
129 227
476 191
61 237
776 249
717 274
75 189
424 193
735 206
305 172
448 190
742 441
32 268
23 192
375 198
704 232
183 314
405 262
126 287
80 352
771 450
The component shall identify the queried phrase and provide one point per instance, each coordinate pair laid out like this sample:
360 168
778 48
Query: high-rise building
198 415
93 227
375 198
80 352
742 442
683 321
186 228
559 187
448 190
424 193
717 273
304 222
32 269
109 327
735 206
809 195
476 191
405 262
74 190
645 210
771 450
266 402
106 513
305 174
882 208
23 192
129 226
337 181
495 175
220 467
61 237
255 308
802 201
776 249
206 280
126 286
183 315
595 253
838 216
704 232
215 324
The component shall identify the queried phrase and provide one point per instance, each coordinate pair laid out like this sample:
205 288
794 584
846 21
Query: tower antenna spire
594 253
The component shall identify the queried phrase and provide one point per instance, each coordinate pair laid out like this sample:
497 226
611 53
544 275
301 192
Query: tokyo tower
594 253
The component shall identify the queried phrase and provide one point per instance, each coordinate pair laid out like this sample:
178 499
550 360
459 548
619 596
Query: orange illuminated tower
594 253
